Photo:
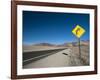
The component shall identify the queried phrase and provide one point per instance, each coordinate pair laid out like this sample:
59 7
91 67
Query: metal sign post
79 47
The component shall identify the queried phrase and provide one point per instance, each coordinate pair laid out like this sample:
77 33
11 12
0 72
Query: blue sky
51 27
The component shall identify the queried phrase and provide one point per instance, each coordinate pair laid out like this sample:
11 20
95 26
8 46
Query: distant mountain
44 44
65 45
82 42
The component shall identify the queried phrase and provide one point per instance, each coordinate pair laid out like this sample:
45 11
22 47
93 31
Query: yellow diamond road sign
78 31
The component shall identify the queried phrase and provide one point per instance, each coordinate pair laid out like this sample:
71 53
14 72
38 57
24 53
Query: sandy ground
39 48
70 58
84 54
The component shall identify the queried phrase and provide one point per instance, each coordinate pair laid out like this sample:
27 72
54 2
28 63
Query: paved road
28 57
56 58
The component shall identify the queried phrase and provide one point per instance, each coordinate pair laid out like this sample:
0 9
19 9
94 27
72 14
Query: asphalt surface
29 57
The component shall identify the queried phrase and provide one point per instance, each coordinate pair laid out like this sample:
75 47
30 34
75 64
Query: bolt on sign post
78 31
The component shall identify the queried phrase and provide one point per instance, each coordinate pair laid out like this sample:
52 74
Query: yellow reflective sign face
78 31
